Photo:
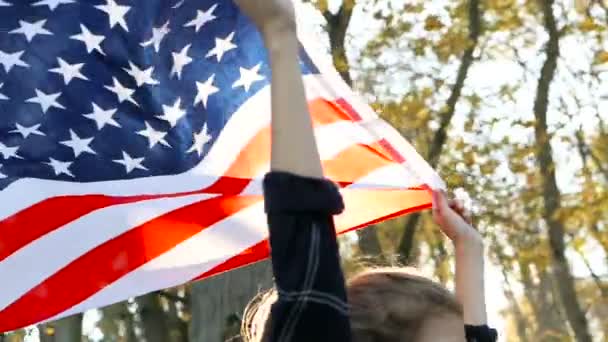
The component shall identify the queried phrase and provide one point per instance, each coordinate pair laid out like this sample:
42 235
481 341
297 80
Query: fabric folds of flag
134 136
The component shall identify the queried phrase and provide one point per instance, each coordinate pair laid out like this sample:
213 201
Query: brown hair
386 305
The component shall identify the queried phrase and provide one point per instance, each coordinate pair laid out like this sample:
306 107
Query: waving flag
133 138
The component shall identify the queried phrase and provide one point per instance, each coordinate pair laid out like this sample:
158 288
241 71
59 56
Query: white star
30 30
91 40
8 152
78 145
221 47
158 34
102 117
154 136
4 4
2 175
200 139
116 13
202 17
248 77
53 4
2 96
123 93
180 60
177 5
130 163
9 60
27 131
172 114
60 167
46 101
141 76
69 71
205 90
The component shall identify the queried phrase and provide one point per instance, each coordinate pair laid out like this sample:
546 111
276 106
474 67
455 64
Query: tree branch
407 240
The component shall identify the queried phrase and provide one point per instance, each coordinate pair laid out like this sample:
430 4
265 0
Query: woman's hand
454 219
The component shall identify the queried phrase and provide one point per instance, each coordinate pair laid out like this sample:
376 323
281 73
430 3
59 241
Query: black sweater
312 303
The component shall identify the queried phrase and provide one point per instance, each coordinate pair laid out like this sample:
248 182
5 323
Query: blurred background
508 100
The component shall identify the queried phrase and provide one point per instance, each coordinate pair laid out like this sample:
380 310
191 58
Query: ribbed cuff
285 192
480 333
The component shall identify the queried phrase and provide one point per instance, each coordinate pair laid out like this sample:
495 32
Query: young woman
310 302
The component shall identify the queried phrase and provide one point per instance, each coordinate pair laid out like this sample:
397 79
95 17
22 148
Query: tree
217 303
551 193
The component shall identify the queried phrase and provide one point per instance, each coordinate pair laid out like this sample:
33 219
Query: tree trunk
551 193
217 303
520 320
153 319
406 244
67 329
337 25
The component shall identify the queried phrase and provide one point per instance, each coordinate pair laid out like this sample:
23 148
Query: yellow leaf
432 23
601 57
589 25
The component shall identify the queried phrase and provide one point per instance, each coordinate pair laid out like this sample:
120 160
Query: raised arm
468 245
311 303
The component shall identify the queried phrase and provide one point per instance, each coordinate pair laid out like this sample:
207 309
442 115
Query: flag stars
9 152
154 136
130 163
69 71
248 77
30 30
27 131
202 17
140 76
204 90
172 114
180 60
46 101
200 140
60 167
4 3
78 145
52 4
102 117
123 93
90 40
116 13
221 47
10 60
2 96
158 34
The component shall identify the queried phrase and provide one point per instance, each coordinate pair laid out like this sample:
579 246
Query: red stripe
59 211
112 260
362 208
355 162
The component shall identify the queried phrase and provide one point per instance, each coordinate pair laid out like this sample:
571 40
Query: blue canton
101 90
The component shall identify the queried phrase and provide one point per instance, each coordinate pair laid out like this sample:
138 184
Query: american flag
133 137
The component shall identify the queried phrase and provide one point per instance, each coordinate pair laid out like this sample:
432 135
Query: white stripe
34 263
247 121
392 176
201 253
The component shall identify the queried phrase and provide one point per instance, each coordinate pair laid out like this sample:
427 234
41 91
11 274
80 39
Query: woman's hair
386 305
